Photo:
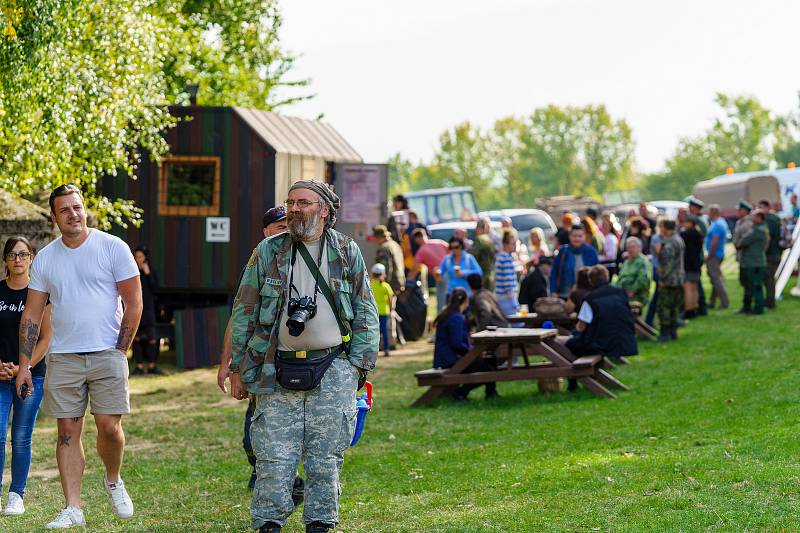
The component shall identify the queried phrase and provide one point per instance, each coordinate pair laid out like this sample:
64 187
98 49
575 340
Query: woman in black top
18 255
692 264
145 341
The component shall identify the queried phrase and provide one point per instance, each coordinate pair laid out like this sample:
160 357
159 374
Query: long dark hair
457 298
11 242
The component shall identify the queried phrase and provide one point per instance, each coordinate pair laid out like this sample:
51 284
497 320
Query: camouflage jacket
390 255
635 276
743 227
753 245
261 299
483 251
670 261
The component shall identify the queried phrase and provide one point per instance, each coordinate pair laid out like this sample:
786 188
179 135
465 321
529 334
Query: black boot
270 527
318 527
673 333
298 491
666 334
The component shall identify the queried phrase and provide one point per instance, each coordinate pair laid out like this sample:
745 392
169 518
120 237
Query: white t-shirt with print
82 284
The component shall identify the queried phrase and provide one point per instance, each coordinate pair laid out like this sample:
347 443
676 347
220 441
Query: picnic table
503 345
564 323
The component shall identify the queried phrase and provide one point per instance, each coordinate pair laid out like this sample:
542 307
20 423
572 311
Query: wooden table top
513 335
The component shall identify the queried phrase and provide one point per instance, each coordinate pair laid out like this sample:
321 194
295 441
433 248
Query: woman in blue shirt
453 342
457 265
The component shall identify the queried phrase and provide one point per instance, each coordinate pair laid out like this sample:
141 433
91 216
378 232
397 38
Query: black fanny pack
295 373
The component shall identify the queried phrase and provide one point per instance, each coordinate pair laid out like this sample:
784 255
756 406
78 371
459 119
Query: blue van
451 204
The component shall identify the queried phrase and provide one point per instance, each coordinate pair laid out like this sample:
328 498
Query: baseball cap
274 215
378 268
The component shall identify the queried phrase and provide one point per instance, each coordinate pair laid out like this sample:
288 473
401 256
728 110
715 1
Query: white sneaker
69 517
15 505
120 501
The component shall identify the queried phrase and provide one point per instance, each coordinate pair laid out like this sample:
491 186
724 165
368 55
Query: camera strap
325 289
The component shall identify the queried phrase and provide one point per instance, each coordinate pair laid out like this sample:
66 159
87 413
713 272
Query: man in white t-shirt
87 275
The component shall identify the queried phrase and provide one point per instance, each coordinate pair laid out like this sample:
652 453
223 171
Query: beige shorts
73 380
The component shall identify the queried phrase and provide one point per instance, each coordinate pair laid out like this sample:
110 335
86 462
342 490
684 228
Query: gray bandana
325 192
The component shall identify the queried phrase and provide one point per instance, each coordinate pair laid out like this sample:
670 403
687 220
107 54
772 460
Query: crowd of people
651 263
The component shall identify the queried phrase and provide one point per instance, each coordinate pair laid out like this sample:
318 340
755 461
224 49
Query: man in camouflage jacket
670 280
314 425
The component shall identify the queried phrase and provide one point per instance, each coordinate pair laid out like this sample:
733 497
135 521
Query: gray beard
306 228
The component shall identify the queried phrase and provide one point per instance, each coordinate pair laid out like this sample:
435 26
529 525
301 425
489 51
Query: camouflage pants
314 426
670 303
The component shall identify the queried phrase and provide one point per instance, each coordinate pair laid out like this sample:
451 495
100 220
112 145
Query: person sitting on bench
605 322
453 342
485 309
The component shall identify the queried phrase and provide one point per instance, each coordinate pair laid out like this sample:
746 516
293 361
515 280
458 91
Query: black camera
300 310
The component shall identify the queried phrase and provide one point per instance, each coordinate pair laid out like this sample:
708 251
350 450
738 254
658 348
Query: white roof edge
300 137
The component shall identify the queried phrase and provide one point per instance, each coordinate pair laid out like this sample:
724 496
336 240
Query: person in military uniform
483 251
303 356
743 227
390 255
753 264
774 251
670 280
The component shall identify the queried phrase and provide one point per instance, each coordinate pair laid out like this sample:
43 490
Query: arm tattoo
63 440
125 337
29 334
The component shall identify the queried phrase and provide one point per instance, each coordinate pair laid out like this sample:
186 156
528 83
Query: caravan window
189 186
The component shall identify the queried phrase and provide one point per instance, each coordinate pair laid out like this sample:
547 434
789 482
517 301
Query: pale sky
390 76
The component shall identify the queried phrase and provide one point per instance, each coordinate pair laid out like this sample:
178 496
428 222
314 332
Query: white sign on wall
218 229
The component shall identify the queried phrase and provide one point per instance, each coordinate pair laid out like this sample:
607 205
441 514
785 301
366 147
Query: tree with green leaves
84 86
554 151
744 137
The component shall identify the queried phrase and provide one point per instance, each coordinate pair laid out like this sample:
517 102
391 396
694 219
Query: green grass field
704 441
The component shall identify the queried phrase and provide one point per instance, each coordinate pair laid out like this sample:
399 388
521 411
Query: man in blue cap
273 223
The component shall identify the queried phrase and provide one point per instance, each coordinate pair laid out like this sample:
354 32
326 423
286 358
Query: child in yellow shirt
383 298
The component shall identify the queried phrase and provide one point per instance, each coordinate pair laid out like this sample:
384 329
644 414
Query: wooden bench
506 344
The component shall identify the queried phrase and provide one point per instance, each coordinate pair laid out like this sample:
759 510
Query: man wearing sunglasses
88 275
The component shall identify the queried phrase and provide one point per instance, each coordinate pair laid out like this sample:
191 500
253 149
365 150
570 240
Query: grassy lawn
704 441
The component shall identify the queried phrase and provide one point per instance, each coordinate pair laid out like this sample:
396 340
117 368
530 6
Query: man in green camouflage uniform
753 263
390 255
315 425
743 227
670 280
483 251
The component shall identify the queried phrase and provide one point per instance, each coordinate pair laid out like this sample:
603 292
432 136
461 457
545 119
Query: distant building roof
15 208
297 136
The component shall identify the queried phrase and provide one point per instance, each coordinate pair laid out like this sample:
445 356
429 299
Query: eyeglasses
12 256
302 204
454 248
